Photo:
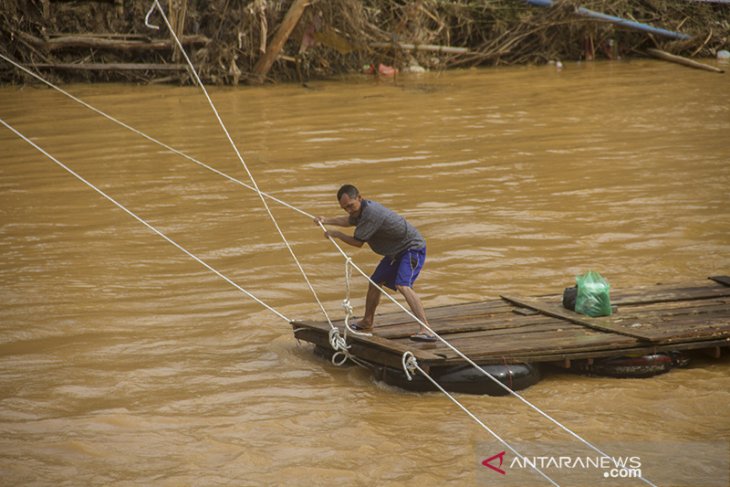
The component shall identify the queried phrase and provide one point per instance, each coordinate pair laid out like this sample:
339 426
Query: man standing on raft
391 236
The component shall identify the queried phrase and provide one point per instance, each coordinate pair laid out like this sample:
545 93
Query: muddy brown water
125 362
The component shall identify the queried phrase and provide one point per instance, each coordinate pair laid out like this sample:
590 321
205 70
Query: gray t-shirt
385 231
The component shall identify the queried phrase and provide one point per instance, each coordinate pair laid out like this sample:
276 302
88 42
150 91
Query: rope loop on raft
410 364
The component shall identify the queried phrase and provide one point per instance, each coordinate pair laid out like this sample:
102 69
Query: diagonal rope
409 361
410 365
344 254
142 221
338 343
240 158
473 364
149 137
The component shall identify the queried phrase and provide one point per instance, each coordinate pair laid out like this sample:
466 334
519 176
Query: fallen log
657 53
85 41
263 65
106 35
109 66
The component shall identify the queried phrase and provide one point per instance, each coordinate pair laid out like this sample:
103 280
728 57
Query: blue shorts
401 271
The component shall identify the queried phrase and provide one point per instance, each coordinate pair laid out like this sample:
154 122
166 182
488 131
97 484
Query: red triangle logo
487 463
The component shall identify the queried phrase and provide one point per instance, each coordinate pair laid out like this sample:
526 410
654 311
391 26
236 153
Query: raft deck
517 329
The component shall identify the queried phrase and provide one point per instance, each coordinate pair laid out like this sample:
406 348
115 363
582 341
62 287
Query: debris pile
227 41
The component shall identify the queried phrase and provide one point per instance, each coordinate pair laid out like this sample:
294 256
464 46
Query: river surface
125 362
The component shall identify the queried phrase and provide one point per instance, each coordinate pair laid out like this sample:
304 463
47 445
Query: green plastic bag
593 295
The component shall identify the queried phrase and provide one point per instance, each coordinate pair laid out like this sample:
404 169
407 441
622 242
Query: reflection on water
123 361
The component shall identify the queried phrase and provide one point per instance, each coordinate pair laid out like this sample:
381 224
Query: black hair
349 190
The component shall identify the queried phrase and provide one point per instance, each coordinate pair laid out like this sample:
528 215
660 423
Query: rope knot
347 306
340 346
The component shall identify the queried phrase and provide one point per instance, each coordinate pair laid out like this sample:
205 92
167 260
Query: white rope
410 365
147 18
150 138
243 162
338 346
142 221
347 305
344 254
473 364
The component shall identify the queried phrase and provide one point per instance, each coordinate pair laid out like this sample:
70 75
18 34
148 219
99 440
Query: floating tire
465 378
633 367
460 378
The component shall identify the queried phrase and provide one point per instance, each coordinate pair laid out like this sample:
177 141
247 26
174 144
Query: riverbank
262 41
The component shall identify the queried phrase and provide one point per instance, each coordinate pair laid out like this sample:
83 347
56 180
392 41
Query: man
390 235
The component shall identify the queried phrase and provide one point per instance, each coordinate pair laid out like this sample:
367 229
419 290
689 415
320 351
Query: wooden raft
538 329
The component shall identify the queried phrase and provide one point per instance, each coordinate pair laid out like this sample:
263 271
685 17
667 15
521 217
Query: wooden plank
671 317
546 343
577 354
646 296
322 338
382 356
546 339
618 345
372 354
488 338
672 323
725 280
699 331
455 329
559 312
672 308
463 310
660 293
455 324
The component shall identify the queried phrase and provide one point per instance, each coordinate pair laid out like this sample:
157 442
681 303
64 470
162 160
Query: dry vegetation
227 37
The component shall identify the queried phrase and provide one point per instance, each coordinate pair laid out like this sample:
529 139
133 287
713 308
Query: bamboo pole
177 11
421 47
682 60
263 65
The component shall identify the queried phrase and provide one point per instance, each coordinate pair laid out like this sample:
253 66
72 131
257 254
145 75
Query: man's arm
348 239
339 221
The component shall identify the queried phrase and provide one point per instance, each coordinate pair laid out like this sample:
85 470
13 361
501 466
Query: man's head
350 199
